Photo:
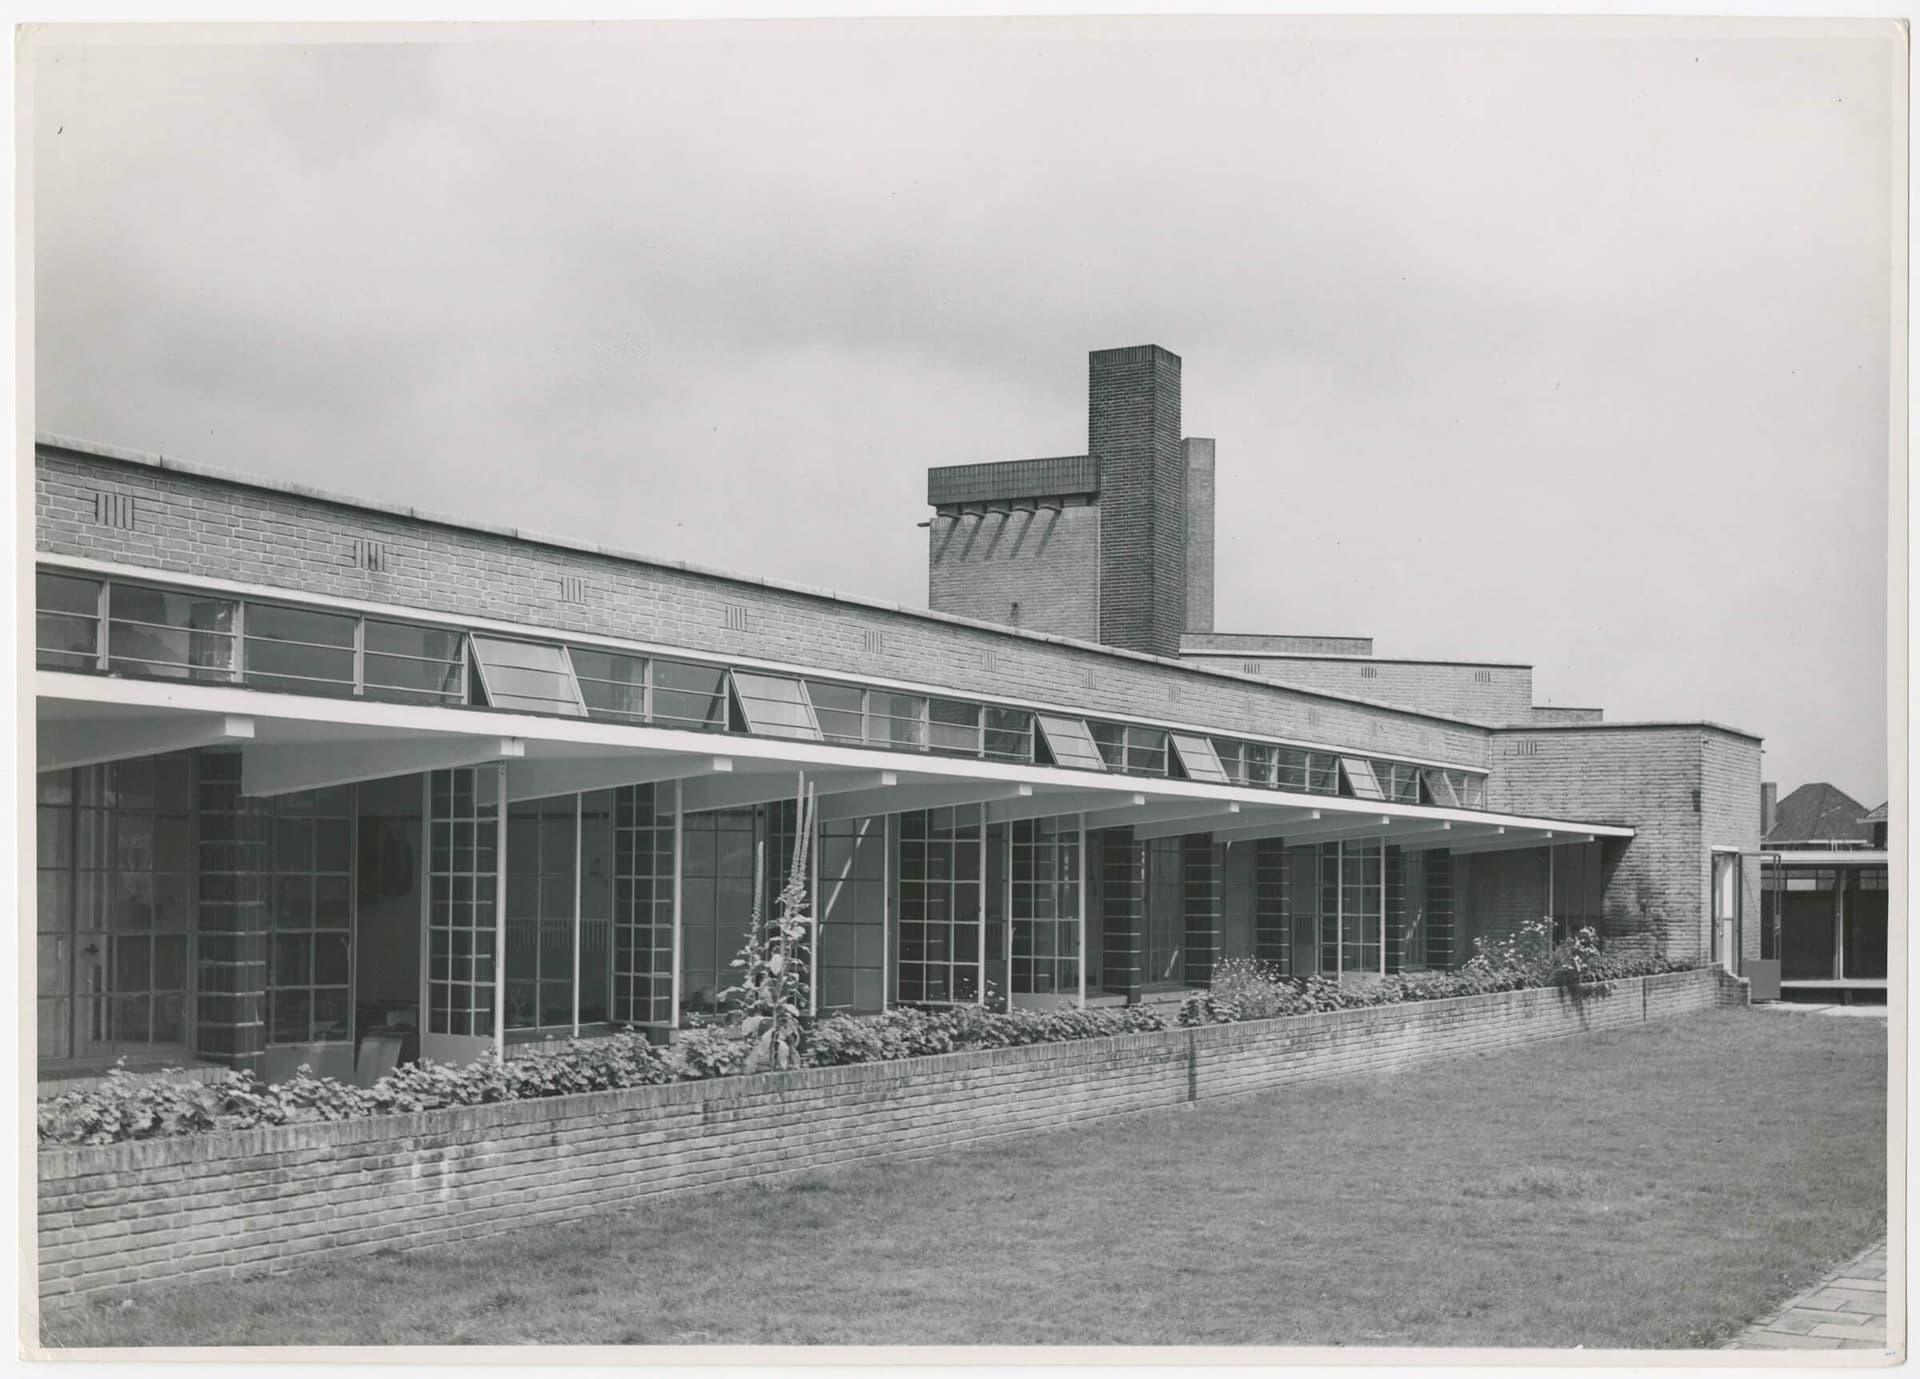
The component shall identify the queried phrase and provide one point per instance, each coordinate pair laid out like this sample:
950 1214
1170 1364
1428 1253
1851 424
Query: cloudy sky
1561 343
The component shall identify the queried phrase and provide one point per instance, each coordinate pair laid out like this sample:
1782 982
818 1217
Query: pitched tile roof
1818 813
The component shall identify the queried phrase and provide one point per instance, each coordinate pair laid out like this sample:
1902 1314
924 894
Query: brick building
319 776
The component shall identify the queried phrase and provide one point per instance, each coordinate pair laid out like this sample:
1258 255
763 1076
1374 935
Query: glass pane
1196 755
953 727
1147 751
299 649
1439 789
177 635
612 685
407 662
529 676
689 696
775 706
899 720
67 630
1009 734
840 711
1110 739
1361 781
1071 743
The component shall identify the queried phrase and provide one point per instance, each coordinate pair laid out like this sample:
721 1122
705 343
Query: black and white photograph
1135 688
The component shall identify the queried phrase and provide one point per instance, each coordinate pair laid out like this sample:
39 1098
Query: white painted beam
1044 806
866 804
88 743
1198 821
1156 812
770 787
1328 830
543 779
1448 836
283 768
1515 840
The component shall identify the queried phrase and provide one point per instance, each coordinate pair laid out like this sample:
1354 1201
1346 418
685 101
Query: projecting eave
293 742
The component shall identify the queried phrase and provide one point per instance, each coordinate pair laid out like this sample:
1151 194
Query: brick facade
1133 431
1483 693
1034 566
1200 517
193 523
1687 788
117 1218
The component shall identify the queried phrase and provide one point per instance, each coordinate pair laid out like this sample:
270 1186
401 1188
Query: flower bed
129 1108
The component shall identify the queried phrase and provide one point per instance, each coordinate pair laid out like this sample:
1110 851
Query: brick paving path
1847 1310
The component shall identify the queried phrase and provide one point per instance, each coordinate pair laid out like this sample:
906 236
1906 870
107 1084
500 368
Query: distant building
1823 895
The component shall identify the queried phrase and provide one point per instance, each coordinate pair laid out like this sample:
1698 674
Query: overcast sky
1565 344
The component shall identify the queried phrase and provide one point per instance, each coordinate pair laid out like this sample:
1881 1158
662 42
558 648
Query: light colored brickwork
1500 694
1034 567
192 524
119 1217
1686 787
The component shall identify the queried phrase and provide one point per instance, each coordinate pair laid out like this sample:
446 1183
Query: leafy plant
771 995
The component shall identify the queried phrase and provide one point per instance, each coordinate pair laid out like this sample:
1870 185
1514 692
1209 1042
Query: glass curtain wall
941 880
1044 880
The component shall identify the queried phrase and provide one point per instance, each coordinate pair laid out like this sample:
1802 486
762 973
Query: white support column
815 914
424 1020
679 891
1383 902
886 910
1339 910
1080 821
579 857
986 870
500 912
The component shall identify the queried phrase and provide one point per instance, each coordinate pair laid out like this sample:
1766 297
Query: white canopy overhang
291 742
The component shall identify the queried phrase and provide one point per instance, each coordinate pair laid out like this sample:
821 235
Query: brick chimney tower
1133 435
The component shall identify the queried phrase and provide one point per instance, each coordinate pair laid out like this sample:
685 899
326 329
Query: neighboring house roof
1818 813
1879 816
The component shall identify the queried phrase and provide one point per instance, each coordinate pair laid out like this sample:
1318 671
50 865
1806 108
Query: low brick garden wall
115 1218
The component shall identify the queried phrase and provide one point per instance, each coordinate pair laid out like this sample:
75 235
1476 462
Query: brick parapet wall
1037 569
116 1218
1458 690
195 525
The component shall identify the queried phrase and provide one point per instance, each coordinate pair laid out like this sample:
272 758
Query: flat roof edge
1606 725
1359 660
151 460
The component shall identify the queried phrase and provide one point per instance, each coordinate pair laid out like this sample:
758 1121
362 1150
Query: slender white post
888 990
424 1020
1081 820
679 887
1339 910
579 856
500 911
980 982
1383 901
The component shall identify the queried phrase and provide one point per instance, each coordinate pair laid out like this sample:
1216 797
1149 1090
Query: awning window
1439 789
1197 757
775 706
1361 782
527 676
1071 744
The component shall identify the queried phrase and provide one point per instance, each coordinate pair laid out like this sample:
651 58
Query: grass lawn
1656 1187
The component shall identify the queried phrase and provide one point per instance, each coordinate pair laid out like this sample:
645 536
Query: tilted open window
775 706
1361 782
528 676
1198 759
1071 744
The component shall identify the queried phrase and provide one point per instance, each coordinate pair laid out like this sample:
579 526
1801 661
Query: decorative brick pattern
116 1218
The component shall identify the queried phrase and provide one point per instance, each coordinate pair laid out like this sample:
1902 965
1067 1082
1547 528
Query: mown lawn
1652 1188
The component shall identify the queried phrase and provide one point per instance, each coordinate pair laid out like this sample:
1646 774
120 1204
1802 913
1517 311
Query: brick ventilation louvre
115 1218
736 617
113 510
370 555
573 589
872 642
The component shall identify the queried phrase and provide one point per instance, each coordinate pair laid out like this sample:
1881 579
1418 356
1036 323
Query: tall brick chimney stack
1769 807
1199 455
1133 434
